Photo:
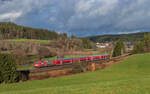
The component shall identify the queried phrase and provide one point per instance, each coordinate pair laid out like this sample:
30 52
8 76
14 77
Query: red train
62 61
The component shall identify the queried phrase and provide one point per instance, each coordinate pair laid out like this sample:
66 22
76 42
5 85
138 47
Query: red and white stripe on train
62 61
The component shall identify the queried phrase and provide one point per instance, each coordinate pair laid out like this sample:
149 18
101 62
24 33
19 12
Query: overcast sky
79 17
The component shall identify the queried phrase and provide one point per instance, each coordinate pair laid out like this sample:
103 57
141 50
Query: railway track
58 67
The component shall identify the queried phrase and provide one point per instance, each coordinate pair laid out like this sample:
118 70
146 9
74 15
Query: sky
79 17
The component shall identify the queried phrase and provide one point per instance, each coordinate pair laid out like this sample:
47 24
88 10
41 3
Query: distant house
102 45
129 46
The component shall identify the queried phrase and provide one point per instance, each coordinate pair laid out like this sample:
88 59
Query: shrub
80 67
8 70
20 57
146 42
138 48
143 45
77 68
45 52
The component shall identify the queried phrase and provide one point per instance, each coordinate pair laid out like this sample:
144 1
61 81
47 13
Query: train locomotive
63 61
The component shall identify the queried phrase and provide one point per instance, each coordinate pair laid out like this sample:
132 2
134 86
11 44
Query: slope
131 76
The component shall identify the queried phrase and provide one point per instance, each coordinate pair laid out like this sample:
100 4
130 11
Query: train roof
63 58
82 56
100 55
95 55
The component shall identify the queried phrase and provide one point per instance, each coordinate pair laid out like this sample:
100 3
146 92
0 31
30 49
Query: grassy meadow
131 76
30 40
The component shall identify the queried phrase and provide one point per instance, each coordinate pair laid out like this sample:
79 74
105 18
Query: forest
9 30
123 37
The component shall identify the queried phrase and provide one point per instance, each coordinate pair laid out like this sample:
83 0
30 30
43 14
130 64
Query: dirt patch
105 65
52 74
39 77
60 73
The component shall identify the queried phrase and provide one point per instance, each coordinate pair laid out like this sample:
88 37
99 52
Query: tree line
122 37
142 45
9 30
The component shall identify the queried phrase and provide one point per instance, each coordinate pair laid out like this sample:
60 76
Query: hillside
10 30
131 76
125 37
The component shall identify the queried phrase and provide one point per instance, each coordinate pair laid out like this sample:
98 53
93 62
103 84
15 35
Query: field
30 40
131 76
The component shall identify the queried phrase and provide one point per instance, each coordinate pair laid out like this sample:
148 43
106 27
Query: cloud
11 16
79 17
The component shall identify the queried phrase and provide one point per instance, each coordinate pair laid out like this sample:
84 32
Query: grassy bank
131 76
30 40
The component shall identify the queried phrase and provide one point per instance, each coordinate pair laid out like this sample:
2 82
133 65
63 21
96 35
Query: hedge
8 69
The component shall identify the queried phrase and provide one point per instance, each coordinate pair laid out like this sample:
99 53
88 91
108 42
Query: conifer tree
119 49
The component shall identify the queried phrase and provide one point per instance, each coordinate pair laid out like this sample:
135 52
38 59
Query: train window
82 57
67 59
48 62
36 62
58 61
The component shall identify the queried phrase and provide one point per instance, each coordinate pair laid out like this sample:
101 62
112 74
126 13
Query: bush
143 45
79 67
8 70
45 52
146 42
20 56
138 48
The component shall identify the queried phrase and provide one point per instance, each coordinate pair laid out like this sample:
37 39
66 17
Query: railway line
50 68
58 67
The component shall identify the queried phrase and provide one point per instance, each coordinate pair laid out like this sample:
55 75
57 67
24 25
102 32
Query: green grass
30 40
25 67
28 66
131 76
51 58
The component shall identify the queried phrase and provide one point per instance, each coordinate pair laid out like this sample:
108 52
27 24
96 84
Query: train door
58 62
45 63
